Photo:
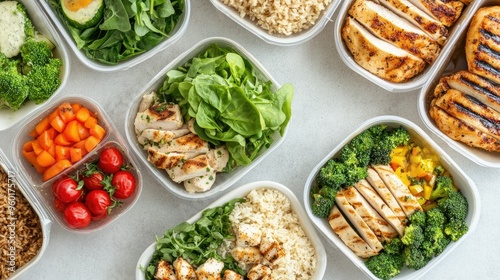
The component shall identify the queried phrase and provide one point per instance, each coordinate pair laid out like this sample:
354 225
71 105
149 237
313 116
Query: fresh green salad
231 103
111 31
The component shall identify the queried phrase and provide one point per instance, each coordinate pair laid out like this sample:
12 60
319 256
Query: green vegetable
442 187
230 102
13 87
413 236
85 17
385 265
418 218
414 257
322 205
387 141
126 29
199 241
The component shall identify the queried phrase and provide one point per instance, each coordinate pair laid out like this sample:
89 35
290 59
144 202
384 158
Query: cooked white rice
280 16
270 210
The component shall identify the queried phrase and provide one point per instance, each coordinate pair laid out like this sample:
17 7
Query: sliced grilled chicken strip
377 224
167 160
379 57
461 131
159 116
357 221
218 158
471 111
184 270
428 24
189 169
147 101
201 183
210 270
189 143
348 235
159 137
164 271
441 87
446 13
477 87
367 191
399 190
482 48
232 275
379 186
394 29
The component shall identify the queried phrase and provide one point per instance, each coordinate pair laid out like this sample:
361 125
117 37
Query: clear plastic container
276 39
45 221
454 63
43 189
462 181
176 34
223 180
242 191
417 81
42 23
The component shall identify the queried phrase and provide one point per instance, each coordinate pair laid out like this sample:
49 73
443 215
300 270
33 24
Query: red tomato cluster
95 190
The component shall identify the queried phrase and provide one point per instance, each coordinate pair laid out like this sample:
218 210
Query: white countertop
330 102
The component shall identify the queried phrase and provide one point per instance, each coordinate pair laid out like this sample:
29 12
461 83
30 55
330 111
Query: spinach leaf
242 115
115 16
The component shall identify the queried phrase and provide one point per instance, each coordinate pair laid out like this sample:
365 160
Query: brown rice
20 230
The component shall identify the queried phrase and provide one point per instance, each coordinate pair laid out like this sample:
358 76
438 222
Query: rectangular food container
417 81
462 181
43 189
242 191
45 221
175 35
277 39
452 64
223 180
43 24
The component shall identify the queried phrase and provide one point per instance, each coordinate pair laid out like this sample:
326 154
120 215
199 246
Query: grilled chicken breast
270 249
367 191
248 235
189 143
394 29
159 116
357 221
164 271
461 131
232 275
379 57
259 272
189 169
155 136
218 158
201 183
404 8
399 190
246 255
446 13
471 111
379 186
210 270
348 235
184 270
377 224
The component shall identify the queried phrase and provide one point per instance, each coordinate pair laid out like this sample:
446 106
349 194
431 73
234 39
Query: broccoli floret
413 236
414 257
349 156
435 218
361 146
355 174
44 80
418 218
399 136
377 130
454 206
332 175
328 192
442 187
435 241
321 205
35 53
385 265
455 229
394 246
13 87
388 140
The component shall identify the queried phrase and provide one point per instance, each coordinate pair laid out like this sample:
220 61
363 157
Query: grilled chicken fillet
394 29
446 13
379 57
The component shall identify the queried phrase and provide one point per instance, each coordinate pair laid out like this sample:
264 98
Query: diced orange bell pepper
90 122
61 140
55 169
71 131
76 107
36 147
43 125
45 141
98 131
75 154
91 143
83 132
66 112
62 152
58 124
53 115
44 159
28 147
30 156
82 115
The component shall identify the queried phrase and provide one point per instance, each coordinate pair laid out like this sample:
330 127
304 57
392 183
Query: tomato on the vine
59 205
67 190
124 183
110 160
94 181
98 202
77 215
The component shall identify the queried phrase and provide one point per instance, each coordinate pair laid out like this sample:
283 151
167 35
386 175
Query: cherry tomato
98 202
67 190
77 215
94 181
100 217
59 205
124 183
110 160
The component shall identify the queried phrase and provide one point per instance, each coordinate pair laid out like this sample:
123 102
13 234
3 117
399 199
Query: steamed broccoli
454 206
35 53
355 174
328 192
393 246
321 205
357 152
385 265
418 218
414 257
44 80
435 218
413 236
388 140
435 241
13 87
455 228
442 187
333 174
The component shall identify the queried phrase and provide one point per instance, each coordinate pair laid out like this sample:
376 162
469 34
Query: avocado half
84 17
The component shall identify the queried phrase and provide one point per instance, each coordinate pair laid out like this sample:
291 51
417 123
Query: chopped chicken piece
246 255
259 272
231 275
189 143
165 160
184 270
271 249
190 125
218 158
201 183
164 271
147 101
160 137
210 270
191 168
248 235
159 116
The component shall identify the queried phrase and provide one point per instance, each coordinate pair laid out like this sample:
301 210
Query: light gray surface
330 102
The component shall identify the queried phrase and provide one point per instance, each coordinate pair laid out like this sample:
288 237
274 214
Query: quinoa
20 231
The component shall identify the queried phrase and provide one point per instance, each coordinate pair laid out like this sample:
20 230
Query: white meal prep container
43 190
242 191
452 64
43 25
277 39
175 35
461 180
223 180
45 221
416 82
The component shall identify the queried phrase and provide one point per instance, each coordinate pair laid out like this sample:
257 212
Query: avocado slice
84 17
